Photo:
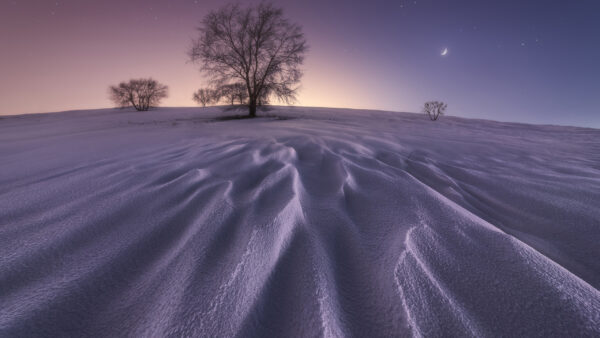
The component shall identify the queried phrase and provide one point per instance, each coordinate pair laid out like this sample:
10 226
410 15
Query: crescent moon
445 52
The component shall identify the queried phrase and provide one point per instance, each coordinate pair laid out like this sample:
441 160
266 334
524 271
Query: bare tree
205 96
254 45
234 91
227 92
263 99
240 93
142 94
434 109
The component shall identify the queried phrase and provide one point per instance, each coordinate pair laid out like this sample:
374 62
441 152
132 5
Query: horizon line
4 116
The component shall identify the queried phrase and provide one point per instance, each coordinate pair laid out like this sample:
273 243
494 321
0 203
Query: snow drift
317 222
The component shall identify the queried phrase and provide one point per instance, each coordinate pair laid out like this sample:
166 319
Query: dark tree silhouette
254 45
434 109
240 93
142 94
234 91
205 96
263 99
227 92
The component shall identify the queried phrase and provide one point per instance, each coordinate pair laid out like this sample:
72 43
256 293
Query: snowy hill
317 222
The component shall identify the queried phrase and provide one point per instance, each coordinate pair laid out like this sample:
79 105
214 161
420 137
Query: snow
316 222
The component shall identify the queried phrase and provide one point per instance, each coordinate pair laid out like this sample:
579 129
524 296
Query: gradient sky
513 60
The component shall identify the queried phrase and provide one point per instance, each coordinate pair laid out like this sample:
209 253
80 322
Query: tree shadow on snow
242 114
246 117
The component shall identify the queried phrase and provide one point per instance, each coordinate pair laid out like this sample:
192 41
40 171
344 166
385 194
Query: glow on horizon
377 55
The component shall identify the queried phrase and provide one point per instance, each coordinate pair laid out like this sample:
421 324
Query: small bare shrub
434 109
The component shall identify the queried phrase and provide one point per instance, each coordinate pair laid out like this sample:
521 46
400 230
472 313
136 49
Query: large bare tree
142 94
255 45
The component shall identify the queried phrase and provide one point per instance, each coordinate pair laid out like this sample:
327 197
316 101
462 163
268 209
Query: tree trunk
252 109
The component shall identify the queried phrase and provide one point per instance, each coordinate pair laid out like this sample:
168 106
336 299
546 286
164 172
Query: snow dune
321 222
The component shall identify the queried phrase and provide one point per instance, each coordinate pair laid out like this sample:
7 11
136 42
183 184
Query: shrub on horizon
142 94
434 109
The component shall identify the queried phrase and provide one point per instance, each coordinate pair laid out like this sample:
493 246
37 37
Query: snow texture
318 222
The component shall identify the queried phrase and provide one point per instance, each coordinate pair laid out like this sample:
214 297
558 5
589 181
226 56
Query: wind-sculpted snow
318 222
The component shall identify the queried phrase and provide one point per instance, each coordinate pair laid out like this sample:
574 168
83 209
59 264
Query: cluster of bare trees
142 94
228 94
250 55
232 93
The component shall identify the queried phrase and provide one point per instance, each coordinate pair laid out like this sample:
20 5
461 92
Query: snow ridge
323 222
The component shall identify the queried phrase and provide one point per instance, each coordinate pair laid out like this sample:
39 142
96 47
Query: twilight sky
513 60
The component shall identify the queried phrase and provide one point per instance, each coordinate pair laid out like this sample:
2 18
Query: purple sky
528 61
